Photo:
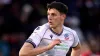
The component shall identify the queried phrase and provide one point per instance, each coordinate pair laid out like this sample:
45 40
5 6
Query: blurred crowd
18 19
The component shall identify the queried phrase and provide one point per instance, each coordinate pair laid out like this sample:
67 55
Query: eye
53 14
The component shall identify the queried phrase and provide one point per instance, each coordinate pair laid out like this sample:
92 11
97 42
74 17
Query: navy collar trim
56 33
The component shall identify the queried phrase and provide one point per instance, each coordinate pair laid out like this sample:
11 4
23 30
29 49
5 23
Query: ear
64 16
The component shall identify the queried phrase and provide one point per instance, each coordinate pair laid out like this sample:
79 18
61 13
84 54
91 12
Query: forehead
52 10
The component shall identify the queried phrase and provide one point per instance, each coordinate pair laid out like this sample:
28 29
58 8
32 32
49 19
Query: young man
52 38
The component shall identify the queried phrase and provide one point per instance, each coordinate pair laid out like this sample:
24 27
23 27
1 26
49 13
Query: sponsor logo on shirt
61 47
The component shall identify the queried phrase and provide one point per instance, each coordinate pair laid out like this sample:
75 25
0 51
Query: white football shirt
43 35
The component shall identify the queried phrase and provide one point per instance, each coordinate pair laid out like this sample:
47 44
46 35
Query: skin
55 20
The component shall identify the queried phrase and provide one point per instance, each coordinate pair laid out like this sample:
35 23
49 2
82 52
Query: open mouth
50 23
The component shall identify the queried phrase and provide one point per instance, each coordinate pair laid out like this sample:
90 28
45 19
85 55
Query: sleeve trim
76 46
34 45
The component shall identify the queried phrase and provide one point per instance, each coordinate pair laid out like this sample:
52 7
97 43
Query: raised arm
28 49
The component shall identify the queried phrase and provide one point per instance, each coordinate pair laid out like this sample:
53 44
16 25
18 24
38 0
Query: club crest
66 36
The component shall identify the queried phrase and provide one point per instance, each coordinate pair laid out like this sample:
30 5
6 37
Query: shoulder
70 30
41 29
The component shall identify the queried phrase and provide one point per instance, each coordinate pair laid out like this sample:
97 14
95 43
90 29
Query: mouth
50 23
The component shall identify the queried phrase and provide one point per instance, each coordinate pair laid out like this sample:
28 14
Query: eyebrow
51 13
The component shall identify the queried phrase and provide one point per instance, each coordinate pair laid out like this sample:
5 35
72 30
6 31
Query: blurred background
18 19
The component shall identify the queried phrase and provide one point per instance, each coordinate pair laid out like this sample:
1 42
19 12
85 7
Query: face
55 18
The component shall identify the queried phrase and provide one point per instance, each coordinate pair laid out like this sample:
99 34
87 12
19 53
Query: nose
49 17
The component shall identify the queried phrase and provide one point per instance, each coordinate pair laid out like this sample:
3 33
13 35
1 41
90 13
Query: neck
58 29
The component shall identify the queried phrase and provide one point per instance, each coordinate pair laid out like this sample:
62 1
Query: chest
66 38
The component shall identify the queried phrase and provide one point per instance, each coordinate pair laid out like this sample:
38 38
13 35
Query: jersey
43 35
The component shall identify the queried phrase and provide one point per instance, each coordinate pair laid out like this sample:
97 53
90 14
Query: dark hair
62 8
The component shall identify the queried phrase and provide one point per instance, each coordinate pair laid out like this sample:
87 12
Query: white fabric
42 37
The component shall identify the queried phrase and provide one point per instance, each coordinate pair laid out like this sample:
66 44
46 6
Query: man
52 38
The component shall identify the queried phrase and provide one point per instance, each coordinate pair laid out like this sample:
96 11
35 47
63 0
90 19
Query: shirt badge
66 36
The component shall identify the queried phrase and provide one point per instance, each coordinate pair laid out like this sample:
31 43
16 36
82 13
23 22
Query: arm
28 49
76 51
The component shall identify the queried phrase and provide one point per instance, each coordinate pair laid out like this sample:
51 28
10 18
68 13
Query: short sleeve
34 38
76 40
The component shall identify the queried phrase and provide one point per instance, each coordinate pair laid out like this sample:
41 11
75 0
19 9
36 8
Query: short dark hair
62 8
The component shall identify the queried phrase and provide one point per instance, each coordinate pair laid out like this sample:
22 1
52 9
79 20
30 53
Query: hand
53 43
